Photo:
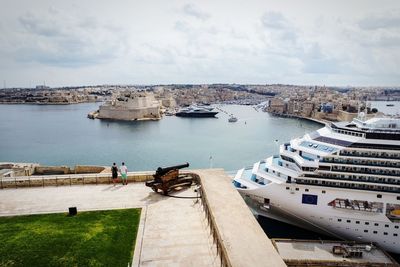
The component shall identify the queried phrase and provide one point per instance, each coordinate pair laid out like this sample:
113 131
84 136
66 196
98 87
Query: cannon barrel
162 171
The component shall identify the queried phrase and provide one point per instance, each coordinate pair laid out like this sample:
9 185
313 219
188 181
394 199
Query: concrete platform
172 231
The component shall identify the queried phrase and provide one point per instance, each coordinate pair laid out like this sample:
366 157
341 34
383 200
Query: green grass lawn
96 238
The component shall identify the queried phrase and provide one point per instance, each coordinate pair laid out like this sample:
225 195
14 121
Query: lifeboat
395 213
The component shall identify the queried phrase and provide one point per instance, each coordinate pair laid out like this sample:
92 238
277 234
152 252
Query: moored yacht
342 180
197 111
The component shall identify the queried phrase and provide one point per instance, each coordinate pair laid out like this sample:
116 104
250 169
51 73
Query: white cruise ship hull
285 205
342 180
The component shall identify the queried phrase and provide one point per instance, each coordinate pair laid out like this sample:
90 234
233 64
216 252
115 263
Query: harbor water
63 135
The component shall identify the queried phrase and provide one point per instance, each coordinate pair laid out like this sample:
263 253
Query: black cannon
166 179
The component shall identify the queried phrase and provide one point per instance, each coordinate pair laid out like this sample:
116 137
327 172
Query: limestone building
131 106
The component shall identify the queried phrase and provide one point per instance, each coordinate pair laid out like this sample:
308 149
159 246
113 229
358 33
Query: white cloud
305 42
387 20
54 38
194 11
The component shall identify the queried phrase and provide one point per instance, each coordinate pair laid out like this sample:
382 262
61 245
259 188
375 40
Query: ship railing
368 155
363 162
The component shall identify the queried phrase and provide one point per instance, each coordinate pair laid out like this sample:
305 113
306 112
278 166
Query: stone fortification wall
43 170
49 170
88 169
18 169
69 180
121 113
135 102
131 106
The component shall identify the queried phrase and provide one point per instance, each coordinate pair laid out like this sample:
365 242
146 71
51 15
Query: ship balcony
362 162
275 171
356 178
306 161
247 179
348 185
287 151
286 147
365 154
364 170
301 160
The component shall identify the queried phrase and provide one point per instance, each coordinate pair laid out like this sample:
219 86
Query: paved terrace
172 231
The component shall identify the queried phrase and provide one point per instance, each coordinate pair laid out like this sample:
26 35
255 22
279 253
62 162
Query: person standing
114 171
124 173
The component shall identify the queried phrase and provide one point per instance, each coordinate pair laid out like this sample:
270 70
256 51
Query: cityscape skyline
72 43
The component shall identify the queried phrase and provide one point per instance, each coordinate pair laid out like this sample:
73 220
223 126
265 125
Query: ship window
306 190
385 233
297 189
379 196
323 192
365 231
287 188
396 227
376 224
366 223
386 225
348 221
398 198
357 222
375 232
394 234
339 220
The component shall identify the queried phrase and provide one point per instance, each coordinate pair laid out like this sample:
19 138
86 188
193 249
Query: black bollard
72 211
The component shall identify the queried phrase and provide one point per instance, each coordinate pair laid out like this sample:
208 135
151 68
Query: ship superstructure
342 180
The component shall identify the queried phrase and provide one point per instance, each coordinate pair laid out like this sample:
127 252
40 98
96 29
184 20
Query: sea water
63 135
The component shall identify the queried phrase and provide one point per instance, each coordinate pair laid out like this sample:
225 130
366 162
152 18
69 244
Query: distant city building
42 87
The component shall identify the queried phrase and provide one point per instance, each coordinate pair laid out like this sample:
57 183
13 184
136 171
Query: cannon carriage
169 178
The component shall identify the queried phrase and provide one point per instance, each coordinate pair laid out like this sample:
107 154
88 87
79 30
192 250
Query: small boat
169 113
232 119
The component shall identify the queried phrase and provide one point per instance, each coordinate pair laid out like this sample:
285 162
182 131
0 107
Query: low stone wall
58 170
69 180
42 170
88 169
239 239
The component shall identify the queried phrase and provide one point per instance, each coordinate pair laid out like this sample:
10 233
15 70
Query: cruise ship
342 180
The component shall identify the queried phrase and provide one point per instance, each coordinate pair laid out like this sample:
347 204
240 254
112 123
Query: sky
310 42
